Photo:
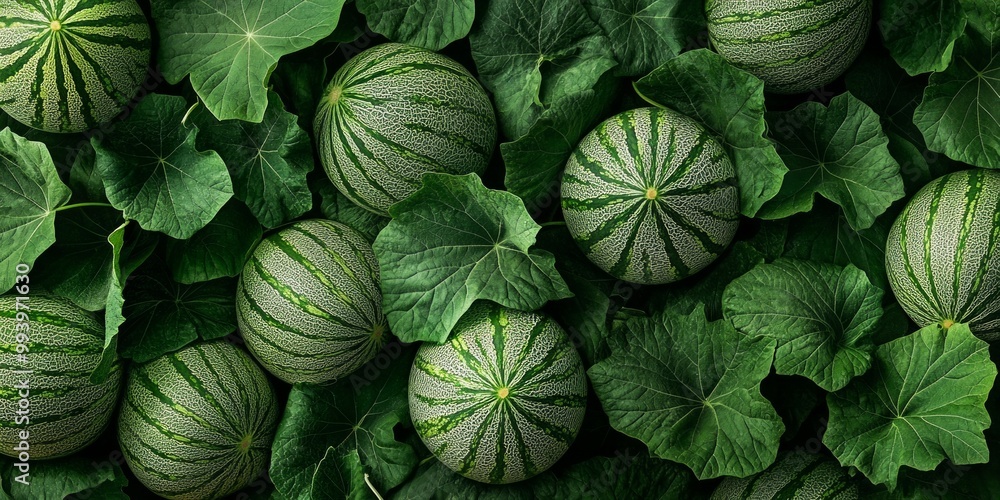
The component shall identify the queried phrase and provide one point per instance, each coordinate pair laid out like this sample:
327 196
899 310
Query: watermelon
942 253
70 65
650 196
792 45
65 411
395 112
503 399
198 423
308 302
796 475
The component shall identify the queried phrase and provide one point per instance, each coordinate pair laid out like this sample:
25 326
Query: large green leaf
646 33
921 35
730 103
839 152
153 172
535 162
690 390
268 161
73 477
30 194
163 315
821 315
531 53
824 235
217 250
431 24
79 265
922 402
455 241
958 115
230 47
332 437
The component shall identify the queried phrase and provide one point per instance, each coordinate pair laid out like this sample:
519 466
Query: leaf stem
81 205
553 223
372 487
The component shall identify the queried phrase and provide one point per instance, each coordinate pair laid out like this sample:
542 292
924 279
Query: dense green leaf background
791 340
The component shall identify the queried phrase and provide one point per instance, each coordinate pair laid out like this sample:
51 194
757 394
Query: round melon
795 475
792 45
395 112
198 423
47 388
942 254
650 196
70 65
308 302
503 399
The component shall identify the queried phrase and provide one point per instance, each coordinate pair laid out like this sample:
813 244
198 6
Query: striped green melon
503 399
650 196
942 254
70 65
395 112
792 45
198 423
795 476
66 412
308 302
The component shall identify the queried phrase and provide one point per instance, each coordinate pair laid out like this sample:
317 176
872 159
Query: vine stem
372 487
81 205
553 223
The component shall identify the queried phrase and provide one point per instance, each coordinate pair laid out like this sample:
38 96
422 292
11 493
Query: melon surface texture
793 45
70 65
650 196
395 112
503 399
942 254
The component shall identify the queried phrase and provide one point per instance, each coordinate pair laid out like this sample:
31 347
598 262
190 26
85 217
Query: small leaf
958 115
922 402
690 390
163 316
646 33
821 315
30 193
453 242
839 152
729 102
431 24
217 250
535 162
154 174
331 436
921 35
71 477
531 53
268 161
230 47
